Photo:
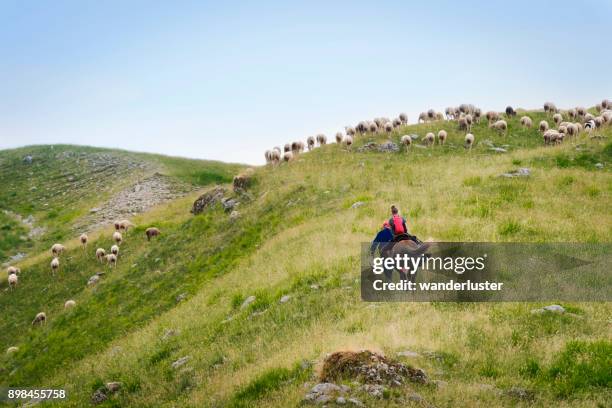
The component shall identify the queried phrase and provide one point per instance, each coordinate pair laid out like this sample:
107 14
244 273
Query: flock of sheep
121 227
568 123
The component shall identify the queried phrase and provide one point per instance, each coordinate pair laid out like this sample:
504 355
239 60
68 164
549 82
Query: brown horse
405 247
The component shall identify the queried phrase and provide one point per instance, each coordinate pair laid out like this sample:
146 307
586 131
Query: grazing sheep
492 116
276 156
469 141
581 111
100 254
422 117
572 129
406 140
579 126
12 281
348 140
288 156
463 123
439 116
152 232
268 156
403 117
477 115
350 130
111 259
388 127
557 118
69 304
607 116
310 142
57 249
588 117
321 139
562 129
55 264
431 114
606 104
598 107
125 225
449 112
526 122
115 250
510 112
40 318
339 137
117 237
442 135
429 139
501 125
287 148
295 147
599 121
13 270
543 126
83 239
397 122
550 107
372 127
571 113
550 136
362 127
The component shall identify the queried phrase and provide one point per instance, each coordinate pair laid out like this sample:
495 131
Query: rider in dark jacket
382 238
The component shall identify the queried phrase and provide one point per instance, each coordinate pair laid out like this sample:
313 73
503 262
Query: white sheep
276 156
69 304
57 249
288 156
55 264
388 127
397 122
543 126
125 225
588 117
572 129
372 127
442 135
12 281
581 111
606 104
572 113
431 114
310 141
100 254
550 107
526 122
492 116
429 138
268 156
287 148
403 118
422 117
13 270
557 118
115 250
321 139
599 121
348 140
477 115
501 125
111 259
463 123
406 140
339 137
40 318
350 130
550 136
155 232
469 141
83 238
117 237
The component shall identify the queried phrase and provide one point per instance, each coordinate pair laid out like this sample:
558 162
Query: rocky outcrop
207 200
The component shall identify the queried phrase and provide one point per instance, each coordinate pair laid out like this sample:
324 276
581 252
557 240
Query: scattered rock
440 383
520 393
357 204
28 159
415 397
340 400
369 368
356 402
94 210
314 287
375 390
498 149
207 200
99 396
408 353
234 215
181 297
229 204
247 302
180 362
285 298
323 393
599 165
93 280
549 309
388 147
521 172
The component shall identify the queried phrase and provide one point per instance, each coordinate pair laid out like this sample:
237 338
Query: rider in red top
397 222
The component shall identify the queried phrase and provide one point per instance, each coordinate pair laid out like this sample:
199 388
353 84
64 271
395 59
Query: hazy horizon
226 82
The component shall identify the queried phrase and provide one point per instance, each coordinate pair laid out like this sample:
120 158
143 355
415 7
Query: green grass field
180 295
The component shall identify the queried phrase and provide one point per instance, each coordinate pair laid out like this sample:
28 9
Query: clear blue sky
227 80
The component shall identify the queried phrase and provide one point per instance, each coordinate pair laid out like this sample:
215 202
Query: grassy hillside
297 235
